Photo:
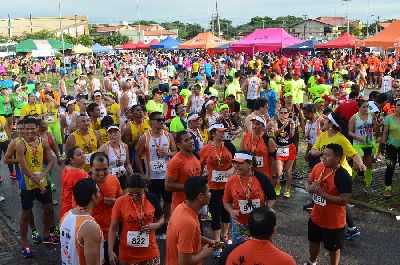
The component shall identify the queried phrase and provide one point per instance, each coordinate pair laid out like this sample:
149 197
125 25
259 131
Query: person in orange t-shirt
373 66
330 186
262 226
254 142
243 193
71 174
140 215
110 190
218 160
181 167
185 244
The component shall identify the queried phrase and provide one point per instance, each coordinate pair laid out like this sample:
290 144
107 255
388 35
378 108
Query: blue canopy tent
98 48
307 46
167 44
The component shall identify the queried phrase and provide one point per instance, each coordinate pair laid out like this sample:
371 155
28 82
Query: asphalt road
379 242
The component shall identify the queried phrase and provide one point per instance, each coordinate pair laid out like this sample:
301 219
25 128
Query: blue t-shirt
272 98
9 84
207 69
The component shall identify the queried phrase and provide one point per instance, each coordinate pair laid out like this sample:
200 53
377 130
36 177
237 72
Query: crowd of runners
156 145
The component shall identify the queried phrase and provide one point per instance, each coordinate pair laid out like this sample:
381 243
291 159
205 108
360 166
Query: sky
195 11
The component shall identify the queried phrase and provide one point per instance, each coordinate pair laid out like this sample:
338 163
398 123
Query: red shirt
347 109
317 64
296 66
68 180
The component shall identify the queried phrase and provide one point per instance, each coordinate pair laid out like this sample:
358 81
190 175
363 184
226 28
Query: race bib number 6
137 240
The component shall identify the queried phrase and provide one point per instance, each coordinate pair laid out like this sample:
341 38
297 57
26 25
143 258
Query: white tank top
362 128
252 90
103 111
164 76
386 84
197 103
116 158
311 130
114 86
72 252
156 165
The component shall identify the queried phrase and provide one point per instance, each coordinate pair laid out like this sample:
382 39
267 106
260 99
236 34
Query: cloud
193 11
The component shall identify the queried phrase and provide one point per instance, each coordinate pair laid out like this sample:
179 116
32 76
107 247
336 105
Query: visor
113 127
241 157
218 126
193 117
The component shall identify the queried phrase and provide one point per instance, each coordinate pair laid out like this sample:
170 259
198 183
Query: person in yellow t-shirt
50 108
32 108
93 110
332 128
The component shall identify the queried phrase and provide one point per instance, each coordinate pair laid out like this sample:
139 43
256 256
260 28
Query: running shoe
1 179
350 234
51 240
387 193
308 206
13 175
278 191
53 187
36 238
27 252
55 202
286 194
206 217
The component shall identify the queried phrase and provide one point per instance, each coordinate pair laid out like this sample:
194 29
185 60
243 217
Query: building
144 33
71 25
321 28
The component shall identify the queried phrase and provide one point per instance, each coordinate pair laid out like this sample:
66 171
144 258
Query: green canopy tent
47 44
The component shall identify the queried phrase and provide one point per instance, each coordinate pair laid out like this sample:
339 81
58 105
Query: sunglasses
283 112
159 119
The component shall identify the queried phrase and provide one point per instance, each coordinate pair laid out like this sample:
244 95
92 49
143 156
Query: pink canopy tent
264 40
344 41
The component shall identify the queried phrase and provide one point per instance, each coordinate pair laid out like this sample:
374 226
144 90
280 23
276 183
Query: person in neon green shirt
179 123
156 104
210 89
237 85
338 75
301 86
185 92
20 99
50 108
230 87
312 81
290 85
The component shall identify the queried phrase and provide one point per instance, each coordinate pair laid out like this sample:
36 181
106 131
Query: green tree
227 29
69 39
42 34
144 22
112 40
85 40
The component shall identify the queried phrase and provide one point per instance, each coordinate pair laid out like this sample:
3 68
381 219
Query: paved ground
378 244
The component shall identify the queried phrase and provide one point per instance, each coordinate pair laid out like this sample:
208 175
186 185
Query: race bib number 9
158 165
219 176
246 206
118 171
319 200
260 161
137 240
282 151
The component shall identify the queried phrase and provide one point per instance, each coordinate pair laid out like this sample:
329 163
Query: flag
30 19
9 26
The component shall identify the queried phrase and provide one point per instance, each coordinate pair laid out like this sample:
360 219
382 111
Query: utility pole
62 37
347 9
218 24
212 24
76 29
376 26
137 9
305 26
263 23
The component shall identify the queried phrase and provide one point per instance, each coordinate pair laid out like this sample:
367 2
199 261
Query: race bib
118 171
87 158
49 118
260 161
37 174
219 176
3 136
158 165
228 136
282 151
7 108
173 113
137 240
246 206
319 200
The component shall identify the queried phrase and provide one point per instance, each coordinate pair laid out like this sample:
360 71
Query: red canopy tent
153 42
141 45
128 46
344 41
